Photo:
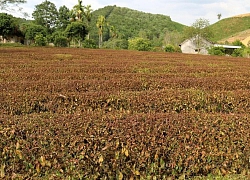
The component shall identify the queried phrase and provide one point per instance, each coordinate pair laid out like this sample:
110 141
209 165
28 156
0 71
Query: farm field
70 113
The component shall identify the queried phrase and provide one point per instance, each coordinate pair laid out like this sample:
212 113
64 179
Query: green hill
231 29
131 23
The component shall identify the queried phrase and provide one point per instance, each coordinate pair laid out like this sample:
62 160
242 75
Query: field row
178 101
97 145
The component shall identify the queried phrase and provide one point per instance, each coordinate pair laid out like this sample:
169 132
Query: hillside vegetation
131 23
231 29
122 24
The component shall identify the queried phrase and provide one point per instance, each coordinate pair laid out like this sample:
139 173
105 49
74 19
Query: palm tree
88 15
72 15
100 24
113 32
79 10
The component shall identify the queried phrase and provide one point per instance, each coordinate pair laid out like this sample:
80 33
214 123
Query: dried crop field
103 114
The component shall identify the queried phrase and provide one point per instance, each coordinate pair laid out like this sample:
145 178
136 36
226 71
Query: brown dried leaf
100 159
2 171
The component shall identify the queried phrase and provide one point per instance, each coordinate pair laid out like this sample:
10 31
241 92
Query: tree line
81 26
108 27
61 27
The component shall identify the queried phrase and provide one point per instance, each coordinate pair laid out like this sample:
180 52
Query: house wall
1 39
189 46
12 39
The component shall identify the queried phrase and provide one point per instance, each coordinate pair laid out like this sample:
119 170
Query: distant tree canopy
5 4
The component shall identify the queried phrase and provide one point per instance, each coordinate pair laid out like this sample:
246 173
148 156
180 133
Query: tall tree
101 21
79 10
219 16
172 37
72 15
5 4
63 17
113 32
76 31
46 14
7 25
88 15
199 31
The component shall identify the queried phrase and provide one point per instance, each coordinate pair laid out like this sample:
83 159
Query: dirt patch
246 41
243 15
243 36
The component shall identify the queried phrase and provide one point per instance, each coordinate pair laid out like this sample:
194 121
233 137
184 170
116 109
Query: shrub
139 44
89 43
238 43
61 41
40 40
169 48
246 52
219 51
178 49
116 44
238 53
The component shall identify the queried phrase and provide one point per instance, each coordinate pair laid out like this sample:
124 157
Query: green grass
11 45
230 27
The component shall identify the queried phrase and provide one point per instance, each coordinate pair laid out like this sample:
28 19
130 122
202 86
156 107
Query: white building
190 46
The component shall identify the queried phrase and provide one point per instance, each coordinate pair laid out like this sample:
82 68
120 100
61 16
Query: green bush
40 40
116 44
139 44
238 52
169 48
219 51
61 41
89 43
238 43
246 52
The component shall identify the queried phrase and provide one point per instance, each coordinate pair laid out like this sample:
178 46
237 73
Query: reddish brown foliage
84 113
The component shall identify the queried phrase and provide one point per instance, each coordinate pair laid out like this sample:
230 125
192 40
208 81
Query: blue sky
182 11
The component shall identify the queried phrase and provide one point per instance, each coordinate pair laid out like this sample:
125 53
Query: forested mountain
130 23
